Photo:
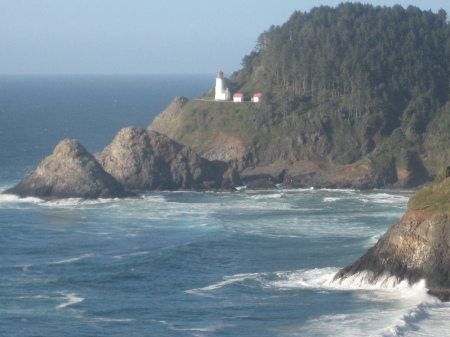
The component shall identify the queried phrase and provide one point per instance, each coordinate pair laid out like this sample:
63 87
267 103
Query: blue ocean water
181 263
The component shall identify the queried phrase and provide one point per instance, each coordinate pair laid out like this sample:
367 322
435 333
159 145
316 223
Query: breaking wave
399 306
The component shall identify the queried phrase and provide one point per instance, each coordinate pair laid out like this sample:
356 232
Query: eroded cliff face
144 160
418 246
313 148
70 172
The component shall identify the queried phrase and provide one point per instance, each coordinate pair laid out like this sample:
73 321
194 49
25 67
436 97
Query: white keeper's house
238 97
256 97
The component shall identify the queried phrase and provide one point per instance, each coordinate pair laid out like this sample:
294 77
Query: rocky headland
143 160
302 153
358 110
417 247
70 172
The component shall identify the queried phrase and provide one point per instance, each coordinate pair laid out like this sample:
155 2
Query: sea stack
70 172
417 247
144 160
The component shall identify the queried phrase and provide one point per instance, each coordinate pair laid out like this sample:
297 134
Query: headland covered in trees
353 96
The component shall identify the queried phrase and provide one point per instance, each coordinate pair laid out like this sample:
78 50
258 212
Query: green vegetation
362 57
436 196
343 85
354 60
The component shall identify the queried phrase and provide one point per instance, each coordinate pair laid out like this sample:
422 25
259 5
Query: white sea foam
70 202
131 254
320 278
69 299
275 195
12 198
73 259
343 190
401 305
331 199
398 305
387 198
113 320
227 280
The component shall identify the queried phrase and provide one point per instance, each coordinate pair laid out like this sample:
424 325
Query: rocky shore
418 246
137 160
140 160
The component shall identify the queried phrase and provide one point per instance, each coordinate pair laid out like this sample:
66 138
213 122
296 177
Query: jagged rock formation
417 246
144 160
70 172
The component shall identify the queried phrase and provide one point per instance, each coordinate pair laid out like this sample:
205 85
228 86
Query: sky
143 36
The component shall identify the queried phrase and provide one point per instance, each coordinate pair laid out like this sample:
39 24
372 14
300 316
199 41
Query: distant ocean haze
36 112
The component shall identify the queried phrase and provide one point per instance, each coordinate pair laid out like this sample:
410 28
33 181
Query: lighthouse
222 93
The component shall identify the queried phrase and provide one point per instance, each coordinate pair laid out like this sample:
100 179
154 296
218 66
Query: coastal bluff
302 153
70 172
417 247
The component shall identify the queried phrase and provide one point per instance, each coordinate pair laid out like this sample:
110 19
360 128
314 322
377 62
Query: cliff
299 151
343 103
70 172
144 160
418 246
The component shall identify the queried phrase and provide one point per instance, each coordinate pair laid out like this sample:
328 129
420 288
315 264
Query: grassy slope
435 197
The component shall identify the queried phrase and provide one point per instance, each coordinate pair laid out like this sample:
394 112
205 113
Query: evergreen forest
363 57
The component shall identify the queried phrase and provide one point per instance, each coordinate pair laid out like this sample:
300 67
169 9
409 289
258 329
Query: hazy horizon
58 37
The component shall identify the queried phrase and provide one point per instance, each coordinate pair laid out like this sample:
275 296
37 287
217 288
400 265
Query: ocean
235 264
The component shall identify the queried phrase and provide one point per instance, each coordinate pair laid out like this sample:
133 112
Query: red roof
257 95
238 95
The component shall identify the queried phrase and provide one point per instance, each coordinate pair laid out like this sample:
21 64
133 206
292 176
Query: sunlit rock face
70 172
417 247
144 160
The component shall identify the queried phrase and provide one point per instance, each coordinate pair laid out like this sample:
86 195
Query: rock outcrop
329 152
70 172
144 160
305 174
170 113
418 246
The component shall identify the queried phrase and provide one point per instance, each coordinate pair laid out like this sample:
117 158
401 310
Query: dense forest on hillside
350 85
366 58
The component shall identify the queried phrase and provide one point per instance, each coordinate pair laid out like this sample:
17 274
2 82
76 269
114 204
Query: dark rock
70 172
417 247
144 160
414 172
306 174
262 184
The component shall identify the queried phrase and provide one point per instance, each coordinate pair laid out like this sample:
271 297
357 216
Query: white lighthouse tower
222 93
